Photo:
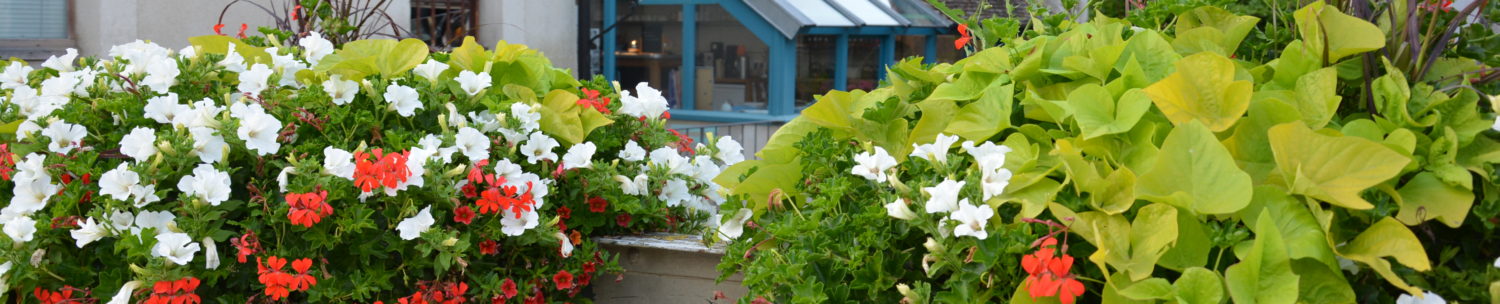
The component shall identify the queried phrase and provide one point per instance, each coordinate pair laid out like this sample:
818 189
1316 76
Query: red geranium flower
964 37
243 27
489 247
1048 273
592 100
181 291
598 204
383 170
463 215
565 212
623 220
308 208
7 161
245 245
218 28
51 297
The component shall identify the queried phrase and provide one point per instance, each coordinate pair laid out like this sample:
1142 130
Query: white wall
549 26
100 24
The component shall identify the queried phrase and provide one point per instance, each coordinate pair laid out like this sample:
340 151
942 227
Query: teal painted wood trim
607 49
841 63
689 68
929 53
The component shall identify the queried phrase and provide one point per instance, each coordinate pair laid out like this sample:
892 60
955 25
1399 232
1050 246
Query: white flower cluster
946 197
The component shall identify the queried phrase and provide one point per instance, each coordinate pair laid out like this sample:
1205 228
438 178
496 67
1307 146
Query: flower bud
165 148
456 171
906 293
450 242
899 210
443 122
137 270
932 245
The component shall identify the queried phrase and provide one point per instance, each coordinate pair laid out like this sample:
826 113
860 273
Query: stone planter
665 269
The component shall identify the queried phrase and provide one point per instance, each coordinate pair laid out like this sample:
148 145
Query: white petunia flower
121 220
1496 127
176 247
539 147
413 227
989 156
254 80
123 296
64 136
675 192
27 129
485 121
287 66
667 157
513 224
233 62
647 102
472 82
257 128
116 183
159 220
62 63
937 151
14 75
161 75
189 52
204 113
579 156
144 195
873 166
1427 297
632 152
206 183
403 99
31 195
971 219
314 47
566 248
430 70
140 144
21 229
944 196
284 178
341 91
88 231
994 182
735 225
473 144
165 109
730 151
899 210
207 146
338 162
636 186
528 117
210 253
704 169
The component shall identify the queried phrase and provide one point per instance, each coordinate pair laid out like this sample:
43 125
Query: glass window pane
815 66
864 62
821 13
33 19
649 49
919 13
731 72
868 12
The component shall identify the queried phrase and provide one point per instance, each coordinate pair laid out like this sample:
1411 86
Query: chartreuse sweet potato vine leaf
1204 89
1264 274
1334 169
1211 29
1131 247
1099 114
564 119
1388 238
1195 285
1195 172
1334 33
985 116
385 57
1426 197
1300 231
1317 96
469 56
216 44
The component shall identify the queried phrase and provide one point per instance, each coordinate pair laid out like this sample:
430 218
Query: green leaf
1204 89
1426 197
1199 285
10 127
1114 194
1150 51
1320 284
1388 238
1296 60
1099 114
1210 28
386 57
1192 245
1195 172
968 86
1333 169
1334 33
1265 274
559 112
216 44
831 111
1317 97
1152 232
469 56
1149 289
936 114
1250 144
985 116
1299 229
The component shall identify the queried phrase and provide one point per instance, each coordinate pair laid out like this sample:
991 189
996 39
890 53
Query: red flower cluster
280 284
964 37
1436 5
592 100
7 161
308 208
598 204
378 169
563 279
623 220
63 295
496 196
437 292
684 143
183 291
1049 273
507 290
245 246
463 214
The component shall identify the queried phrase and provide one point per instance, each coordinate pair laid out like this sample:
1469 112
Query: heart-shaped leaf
1203 89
